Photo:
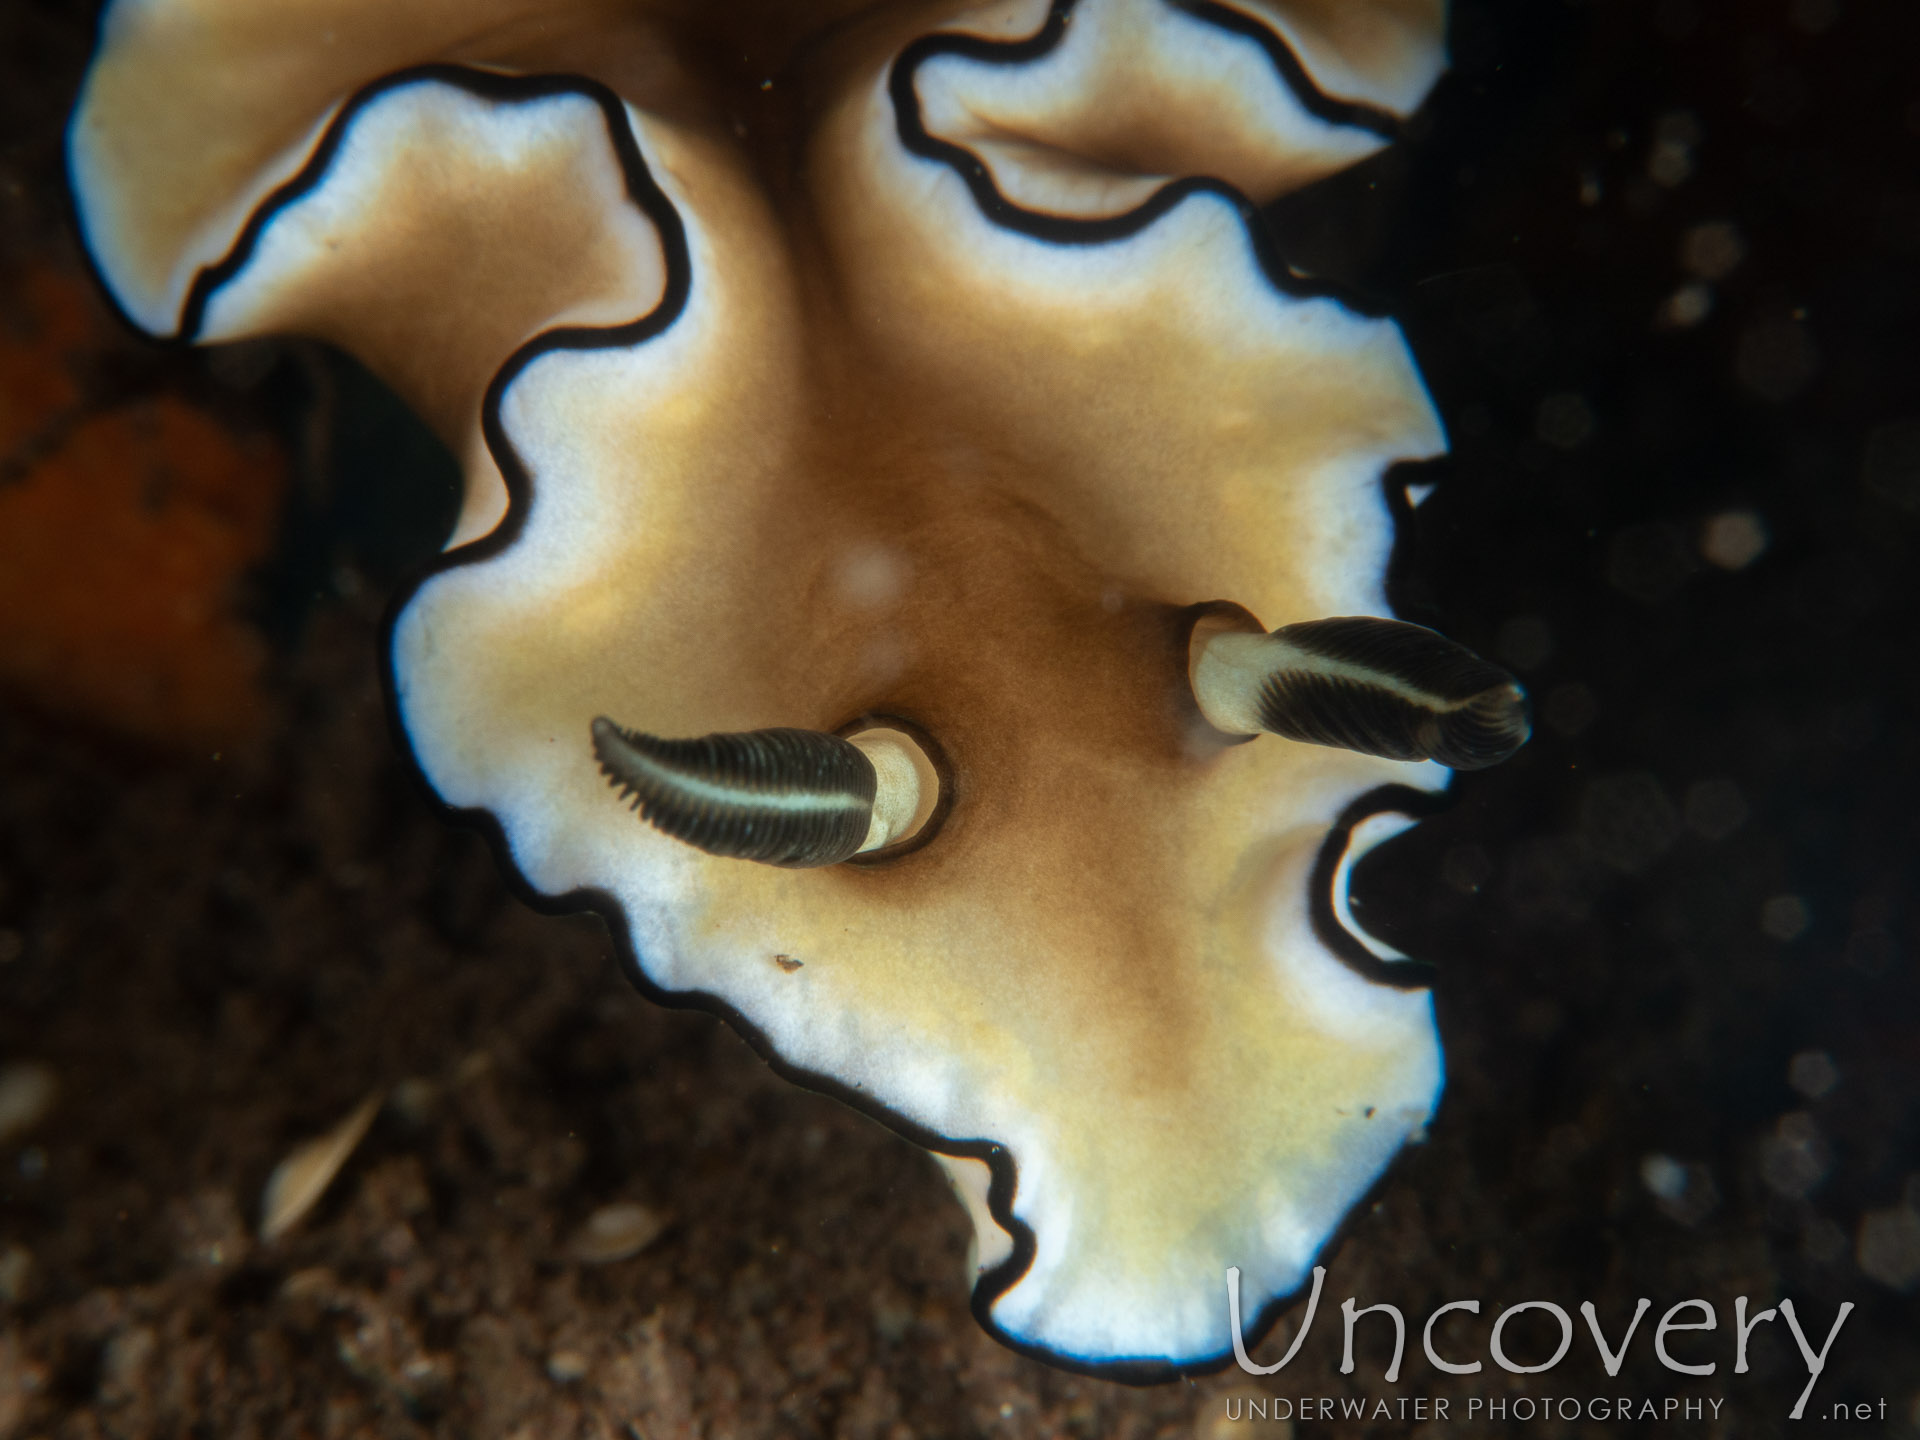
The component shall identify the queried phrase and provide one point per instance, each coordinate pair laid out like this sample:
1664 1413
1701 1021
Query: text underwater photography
310 1127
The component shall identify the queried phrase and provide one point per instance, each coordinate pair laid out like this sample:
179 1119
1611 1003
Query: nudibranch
883 424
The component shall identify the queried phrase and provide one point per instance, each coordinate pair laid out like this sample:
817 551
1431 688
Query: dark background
1660 264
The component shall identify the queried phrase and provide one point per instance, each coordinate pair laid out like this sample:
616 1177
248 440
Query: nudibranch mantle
950 406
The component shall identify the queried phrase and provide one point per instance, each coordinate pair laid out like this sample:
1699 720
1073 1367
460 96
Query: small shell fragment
27 1093
566 1366
316 1282
302 1178
414 1099
16 1274
615 1232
